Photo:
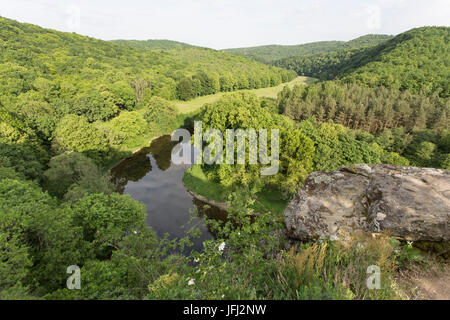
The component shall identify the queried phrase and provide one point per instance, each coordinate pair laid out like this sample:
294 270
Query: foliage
38 241
162 114
416 60
72 175
74 133
321 65
107 219
94 107
20 151
155 44
273 53
372 110
128 126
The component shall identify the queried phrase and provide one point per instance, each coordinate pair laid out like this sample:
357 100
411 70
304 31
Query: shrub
162 114
74 133
72 175
128 126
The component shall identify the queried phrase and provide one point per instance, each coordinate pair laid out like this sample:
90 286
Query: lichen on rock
407 202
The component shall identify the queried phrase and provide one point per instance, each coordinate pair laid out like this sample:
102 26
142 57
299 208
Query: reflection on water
150 177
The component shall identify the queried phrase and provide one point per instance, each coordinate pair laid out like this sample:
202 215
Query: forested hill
272 53
48 66
417 60
155 44
367 41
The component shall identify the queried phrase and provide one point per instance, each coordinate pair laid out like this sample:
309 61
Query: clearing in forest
271 92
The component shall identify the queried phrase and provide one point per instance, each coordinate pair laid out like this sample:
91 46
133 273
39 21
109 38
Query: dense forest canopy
412 125
417 60
71 106
155 44
272 53
369 109
324 66
57 65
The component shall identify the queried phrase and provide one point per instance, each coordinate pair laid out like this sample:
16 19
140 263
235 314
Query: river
150 177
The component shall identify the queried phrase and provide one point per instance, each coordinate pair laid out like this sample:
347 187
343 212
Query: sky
223 24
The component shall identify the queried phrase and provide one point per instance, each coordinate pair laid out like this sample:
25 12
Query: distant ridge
155 44
105 76
271 53
417 60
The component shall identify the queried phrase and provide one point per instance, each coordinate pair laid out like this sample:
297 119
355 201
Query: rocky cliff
407 202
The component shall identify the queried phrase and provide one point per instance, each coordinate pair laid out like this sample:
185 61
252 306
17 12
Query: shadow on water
150 177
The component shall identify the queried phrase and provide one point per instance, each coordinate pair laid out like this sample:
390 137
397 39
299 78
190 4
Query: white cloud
230 23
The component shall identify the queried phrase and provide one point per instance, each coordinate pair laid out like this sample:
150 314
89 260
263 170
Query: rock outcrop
407 202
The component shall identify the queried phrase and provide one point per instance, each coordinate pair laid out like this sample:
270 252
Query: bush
123 95
74 133
93 106
128 126
162 114
107 219
72 175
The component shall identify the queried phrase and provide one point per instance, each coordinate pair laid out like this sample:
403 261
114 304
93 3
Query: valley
359 133
271 92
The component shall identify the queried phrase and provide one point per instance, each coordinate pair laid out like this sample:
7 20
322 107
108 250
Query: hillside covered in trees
417 60
72 106
120 74
155 44
412 125
324 66
271 53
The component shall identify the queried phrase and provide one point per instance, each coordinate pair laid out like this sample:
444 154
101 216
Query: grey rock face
407 202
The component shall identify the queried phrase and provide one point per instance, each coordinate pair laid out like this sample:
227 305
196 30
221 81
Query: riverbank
198 184
185 109
129 151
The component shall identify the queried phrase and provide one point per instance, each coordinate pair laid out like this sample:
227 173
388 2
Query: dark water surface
150 177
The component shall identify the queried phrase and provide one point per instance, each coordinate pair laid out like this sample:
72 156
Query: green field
194 104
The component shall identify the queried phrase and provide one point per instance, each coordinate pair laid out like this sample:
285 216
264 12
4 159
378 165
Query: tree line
416 60
270 54
414 126
324 66
362 108
305 146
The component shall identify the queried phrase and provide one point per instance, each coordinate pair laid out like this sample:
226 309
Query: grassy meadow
271 92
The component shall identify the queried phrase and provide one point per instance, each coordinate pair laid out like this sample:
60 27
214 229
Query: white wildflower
191 282
221 246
